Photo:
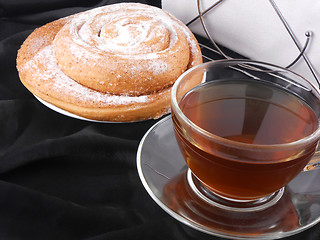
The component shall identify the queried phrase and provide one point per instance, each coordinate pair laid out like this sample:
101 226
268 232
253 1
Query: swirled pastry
113 63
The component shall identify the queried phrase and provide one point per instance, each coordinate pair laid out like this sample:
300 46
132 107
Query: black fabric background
62 178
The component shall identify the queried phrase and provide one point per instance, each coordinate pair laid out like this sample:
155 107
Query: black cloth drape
62 178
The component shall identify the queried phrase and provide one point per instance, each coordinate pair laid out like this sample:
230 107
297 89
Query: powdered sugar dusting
87 30
131 45
108 30
60 82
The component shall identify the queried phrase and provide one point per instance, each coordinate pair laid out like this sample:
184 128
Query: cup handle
314 162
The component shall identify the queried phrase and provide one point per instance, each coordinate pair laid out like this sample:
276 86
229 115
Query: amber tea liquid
246 112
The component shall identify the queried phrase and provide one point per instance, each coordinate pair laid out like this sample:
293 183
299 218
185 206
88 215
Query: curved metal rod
308 35
286 25
206 30
205 11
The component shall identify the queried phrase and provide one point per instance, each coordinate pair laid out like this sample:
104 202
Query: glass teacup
245 129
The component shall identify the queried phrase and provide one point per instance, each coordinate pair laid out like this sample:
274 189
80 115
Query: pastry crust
113 63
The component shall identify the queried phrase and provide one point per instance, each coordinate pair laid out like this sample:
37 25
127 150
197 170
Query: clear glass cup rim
181 115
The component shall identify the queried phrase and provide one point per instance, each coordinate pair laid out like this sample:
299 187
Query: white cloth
253 29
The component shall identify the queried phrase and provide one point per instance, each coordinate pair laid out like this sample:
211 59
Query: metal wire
218 50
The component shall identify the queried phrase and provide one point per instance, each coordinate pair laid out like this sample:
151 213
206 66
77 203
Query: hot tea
243 122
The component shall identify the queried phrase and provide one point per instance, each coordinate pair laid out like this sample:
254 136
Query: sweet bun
113 63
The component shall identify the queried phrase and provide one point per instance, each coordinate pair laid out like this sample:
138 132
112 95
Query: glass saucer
163 173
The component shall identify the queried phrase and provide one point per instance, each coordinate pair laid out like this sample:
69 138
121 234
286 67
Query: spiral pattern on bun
119 58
